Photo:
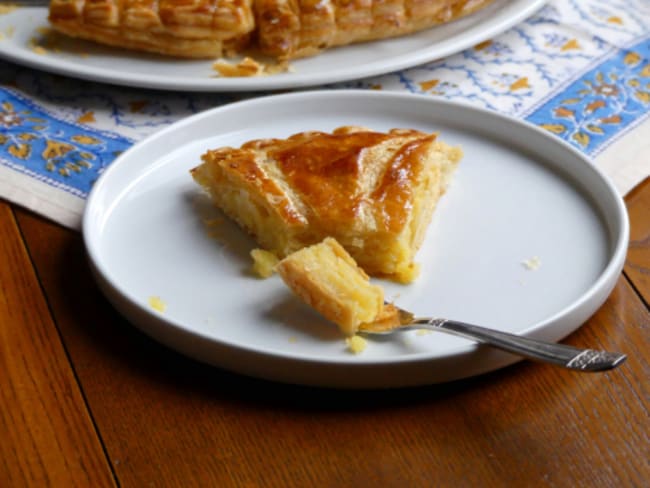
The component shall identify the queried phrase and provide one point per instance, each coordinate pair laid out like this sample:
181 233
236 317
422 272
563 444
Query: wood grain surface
638 258
48 437
121 409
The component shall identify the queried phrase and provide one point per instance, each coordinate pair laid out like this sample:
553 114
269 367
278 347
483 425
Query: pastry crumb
422 332
8 33
40 50
408 274
248 67
47 41
157 304
7 8
356 344
36 46
263 262
532 264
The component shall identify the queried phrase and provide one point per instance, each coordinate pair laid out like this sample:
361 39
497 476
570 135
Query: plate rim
602 286
272 82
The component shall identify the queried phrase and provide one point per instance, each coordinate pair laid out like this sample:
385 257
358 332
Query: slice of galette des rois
374 192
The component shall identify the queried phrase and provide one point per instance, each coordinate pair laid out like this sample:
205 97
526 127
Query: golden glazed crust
292 29
184 28
374 192
285 29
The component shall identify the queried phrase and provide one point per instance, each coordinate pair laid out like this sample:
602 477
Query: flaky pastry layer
286 29
184 28
326 277
374 192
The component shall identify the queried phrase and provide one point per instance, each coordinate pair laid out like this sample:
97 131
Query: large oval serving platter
86 60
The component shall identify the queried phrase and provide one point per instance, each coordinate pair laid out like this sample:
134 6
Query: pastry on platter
285 29
374 192
293 29
184 28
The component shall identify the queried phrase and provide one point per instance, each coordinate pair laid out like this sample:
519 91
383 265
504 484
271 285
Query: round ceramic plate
21 30
519 196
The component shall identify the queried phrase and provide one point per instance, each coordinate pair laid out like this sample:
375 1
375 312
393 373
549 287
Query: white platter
93 62
519 193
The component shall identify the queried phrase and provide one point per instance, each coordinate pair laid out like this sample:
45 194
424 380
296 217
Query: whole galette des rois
278 28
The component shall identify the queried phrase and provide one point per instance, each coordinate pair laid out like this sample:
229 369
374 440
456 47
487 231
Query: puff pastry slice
374 192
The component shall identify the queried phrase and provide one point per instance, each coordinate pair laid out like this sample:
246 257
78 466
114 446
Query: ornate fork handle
563 355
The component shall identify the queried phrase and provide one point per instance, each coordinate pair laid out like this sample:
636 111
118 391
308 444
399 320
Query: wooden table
87 400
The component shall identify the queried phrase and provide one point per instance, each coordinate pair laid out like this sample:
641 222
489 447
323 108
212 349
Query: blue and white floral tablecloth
578 68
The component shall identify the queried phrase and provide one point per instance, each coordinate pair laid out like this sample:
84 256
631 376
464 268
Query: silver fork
559 354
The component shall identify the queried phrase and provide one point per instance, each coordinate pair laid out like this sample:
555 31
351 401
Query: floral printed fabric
579 69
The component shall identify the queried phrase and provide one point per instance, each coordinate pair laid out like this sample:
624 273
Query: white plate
346 63
519 192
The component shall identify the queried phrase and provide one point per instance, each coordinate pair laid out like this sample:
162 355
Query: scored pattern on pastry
374 192
285 29
186 28
292 29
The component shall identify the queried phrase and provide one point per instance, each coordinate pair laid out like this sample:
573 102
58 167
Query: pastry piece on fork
326 277
184 28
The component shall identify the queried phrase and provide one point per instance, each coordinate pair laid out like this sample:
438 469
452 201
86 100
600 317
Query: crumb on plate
356 344
40 50
532 264
248 67
157 304
7 8
263 262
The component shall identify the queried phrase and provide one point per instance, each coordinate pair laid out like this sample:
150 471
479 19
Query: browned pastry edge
374 192
282 28
279 34
156 42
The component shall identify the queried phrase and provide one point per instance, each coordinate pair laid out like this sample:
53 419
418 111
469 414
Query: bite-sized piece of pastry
264 262
285 28
374 192
326 277
186 28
